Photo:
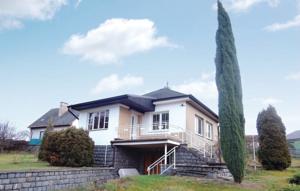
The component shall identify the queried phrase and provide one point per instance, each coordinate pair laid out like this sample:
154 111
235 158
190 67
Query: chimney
63 108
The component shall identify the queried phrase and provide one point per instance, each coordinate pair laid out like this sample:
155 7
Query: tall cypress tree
231 115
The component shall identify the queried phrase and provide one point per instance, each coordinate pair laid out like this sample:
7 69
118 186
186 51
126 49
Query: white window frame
161 126
197 119
103 114
209 130
42 134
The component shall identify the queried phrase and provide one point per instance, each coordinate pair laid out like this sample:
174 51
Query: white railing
139 131
184 136
164 163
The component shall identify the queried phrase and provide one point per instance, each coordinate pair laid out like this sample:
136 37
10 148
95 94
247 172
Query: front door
150 158
134 126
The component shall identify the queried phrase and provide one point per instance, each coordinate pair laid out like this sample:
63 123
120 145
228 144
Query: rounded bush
70 147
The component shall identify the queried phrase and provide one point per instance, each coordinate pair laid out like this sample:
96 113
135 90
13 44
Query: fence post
174 158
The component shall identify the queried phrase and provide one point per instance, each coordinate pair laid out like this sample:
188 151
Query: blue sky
60 50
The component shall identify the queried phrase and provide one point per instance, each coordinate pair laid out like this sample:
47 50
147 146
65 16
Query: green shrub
42 151
295 179
70 147
291 188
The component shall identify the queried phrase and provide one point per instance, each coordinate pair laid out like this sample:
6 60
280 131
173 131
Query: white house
60 118
161 119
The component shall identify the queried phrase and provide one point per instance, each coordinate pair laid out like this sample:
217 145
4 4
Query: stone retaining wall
43 180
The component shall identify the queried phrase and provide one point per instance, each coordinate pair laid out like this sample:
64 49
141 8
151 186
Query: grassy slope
20 161
254 181
170 183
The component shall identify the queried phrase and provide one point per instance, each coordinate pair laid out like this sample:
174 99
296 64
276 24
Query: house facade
60 118
153 125
294 143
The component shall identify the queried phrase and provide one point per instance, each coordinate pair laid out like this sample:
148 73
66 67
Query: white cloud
294 76
115 83
13 12
295 22
115 39
10 24
271 101
203 88
244 5
265 101
77 3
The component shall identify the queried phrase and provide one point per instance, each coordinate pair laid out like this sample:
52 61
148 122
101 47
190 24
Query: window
160 121
165 120
209 130
156 120
42 134
199 125
98 120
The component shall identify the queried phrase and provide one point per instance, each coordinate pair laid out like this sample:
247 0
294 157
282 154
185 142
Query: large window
160 121
199 125
209 130
98 120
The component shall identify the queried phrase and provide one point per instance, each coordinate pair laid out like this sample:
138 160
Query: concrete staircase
191 162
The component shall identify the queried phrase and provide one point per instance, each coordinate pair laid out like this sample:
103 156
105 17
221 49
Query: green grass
260 180
296 163
20 161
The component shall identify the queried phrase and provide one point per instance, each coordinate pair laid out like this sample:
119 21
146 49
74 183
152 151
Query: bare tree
7 132
22 135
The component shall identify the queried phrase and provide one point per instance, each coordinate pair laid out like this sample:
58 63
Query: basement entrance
141 154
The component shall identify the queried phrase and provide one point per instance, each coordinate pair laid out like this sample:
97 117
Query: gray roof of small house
294 135
57 121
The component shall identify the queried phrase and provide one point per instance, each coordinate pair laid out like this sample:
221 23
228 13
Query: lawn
20 161
260 180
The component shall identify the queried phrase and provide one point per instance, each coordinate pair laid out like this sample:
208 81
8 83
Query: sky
80 50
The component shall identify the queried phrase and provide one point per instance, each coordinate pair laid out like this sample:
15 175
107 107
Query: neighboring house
294 141
145 127
60 118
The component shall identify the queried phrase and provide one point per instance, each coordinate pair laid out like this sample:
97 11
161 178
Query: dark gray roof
139 103
144 103
52 115
164 93
294 135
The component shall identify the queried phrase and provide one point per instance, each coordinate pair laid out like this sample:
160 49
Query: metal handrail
161 159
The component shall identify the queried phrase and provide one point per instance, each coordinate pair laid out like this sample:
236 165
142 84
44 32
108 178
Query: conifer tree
273 150
42 155
231 115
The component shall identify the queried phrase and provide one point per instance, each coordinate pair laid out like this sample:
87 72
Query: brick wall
39 180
